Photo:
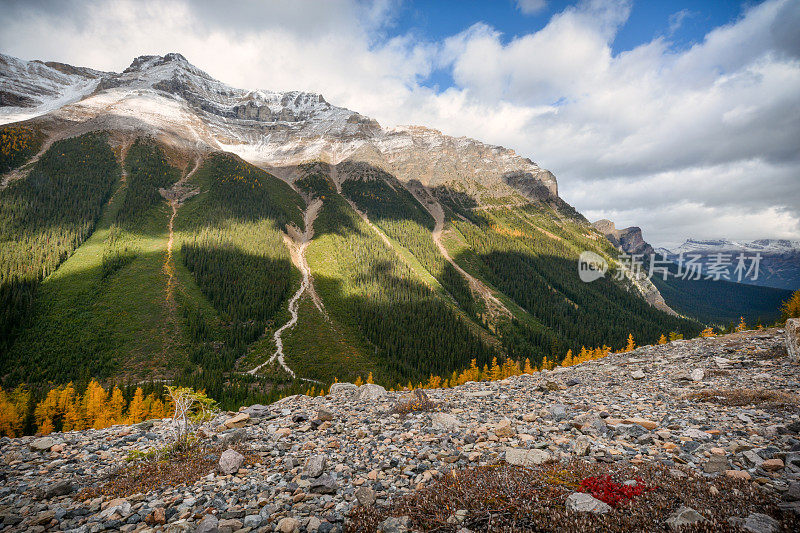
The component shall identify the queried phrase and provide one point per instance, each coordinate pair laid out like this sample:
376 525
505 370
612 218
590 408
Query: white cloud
531 7
677 18
681 143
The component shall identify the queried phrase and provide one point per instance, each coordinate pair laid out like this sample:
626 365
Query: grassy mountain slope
530 253
45 216
367 288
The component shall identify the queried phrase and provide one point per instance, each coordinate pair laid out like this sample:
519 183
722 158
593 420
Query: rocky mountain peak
144 62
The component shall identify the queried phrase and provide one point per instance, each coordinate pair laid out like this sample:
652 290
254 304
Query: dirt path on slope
493 305
297 243
175 196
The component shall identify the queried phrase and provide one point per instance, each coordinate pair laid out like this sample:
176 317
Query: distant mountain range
712 298
779 258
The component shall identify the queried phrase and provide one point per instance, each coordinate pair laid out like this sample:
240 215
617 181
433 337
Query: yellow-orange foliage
64 410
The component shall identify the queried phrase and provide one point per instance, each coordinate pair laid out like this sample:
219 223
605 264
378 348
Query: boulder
684 516
370 391
792 332
230 461
697 374
42 444
324 484
504 428
444 421
772 465
209 524
60 488
523 457
288 524
365 496
645 423
237 421
580 502
315 466
342 389
323 415
257 410
637 374
394 524
760 523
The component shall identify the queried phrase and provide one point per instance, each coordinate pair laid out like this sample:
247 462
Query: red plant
610 492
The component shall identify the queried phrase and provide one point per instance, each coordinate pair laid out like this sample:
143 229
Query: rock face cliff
629 240
718 415
168 97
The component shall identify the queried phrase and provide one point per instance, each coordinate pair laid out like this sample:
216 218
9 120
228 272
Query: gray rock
698 374
324 484
257 411
394 524
558 412
60 488
793 493
523 457
753 458
230 461
342 389
792 330
252 521
209 524
580 502
315 466
637 374
43 444
716 464
365 496
324 415
370 391
684 516
444 421
760 523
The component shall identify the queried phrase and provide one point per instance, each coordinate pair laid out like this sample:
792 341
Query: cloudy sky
682 117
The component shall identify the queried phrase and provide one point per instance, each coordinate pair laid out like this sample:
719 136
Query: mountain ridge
270 128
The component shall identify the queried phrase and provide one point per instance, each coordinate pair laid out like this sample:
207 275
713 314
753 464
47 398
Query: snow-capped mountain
32 88
168 97
770 246
779 264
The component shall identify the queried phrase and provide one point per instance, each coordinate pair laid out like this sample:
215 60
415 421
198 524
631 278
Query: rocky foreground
310 461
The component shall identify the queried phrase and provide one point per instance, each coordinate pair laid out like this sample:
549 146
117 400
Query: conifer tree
631 345
136 409
528 368
117 406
